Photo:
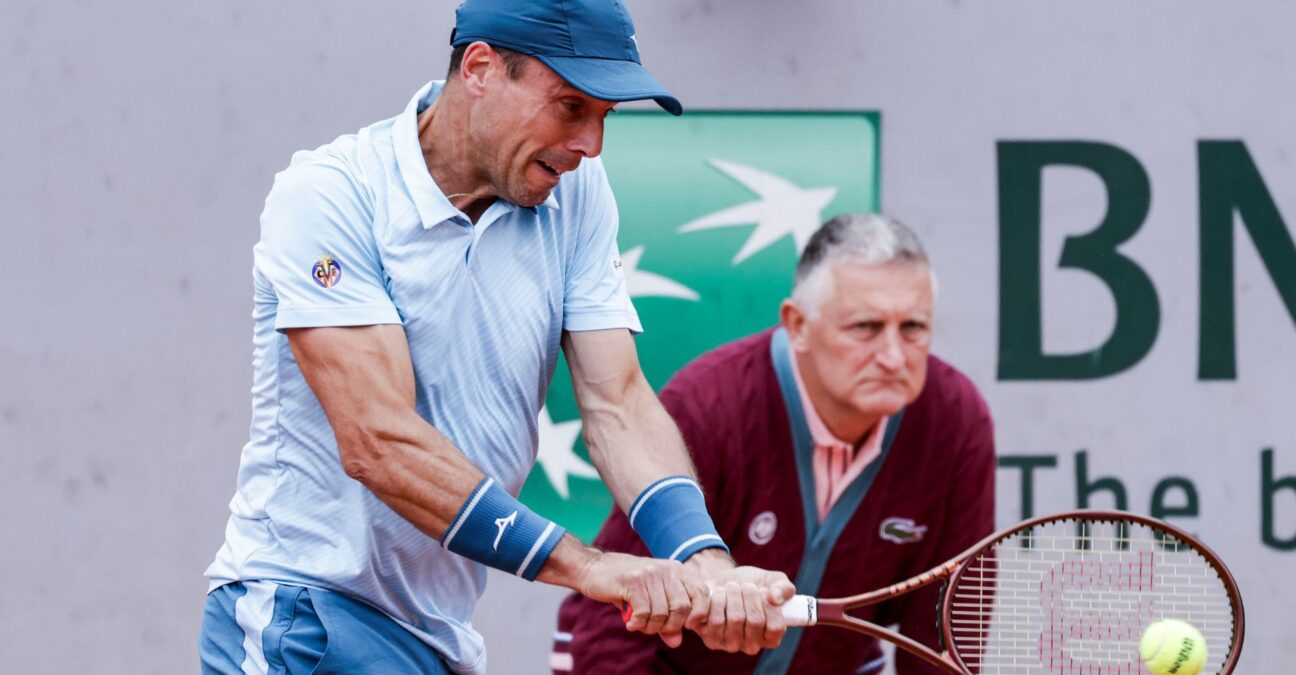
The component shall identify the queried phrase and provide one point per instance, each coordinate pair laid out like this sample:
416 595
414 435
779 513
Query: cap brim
612 80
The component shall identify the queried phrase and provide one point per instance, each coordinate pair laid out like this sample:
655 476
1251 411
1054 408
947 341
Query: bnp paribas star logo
715 208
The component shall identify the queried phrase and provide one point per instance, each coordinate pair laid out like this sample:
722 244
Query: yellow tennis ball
1173 647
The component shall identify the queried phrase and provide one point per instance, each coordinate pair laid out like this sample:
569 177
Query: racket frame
834 611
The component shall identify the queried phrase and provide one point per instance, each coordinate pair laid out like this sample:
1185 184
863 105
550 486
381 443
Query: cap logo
327 271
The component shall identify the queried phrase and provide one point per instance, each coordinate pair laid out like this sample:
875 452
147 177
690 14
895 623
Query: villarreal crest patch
327 271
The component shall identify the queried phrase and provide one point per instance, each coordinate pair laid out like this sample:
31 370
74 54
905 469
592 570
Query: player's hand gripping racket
1067 593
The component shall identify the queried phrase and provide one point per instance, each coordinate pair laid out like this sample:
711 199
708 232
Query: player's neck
443 138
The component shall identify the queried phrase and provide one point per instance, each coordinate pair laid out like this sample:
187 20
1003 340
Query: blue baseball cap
589 43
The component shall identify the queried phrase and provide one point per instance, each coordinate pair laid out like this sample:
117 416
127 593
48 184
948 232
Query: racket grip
801 610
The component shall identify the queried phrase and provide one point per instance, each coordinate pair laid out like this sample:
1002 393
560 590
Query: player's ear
478 59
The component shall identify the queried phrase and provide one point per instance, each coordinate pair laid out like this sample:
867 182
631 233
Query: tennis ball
1173 647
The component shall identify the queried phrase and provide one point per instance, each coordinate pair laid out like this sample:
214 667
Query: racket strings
1075 597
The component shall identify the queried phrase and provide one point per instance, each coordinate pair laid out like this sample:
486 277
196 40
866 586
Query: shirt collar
819 431
431 203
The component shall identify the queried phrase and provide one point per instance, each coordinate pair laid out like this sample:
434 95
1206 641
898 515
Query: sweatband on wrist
671 518
495 529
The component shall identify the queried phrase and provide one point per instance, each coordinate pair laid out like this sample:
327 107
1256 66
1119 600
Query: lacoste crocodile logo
902 530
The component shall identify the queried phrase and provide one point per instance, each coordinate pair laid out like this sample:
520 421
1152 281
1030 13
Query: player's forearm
634 442
569 563
641 456
422 476
411 467
365 382
636 446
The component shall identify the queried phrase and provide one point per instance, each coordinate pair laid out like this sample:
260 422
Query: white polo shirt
357 233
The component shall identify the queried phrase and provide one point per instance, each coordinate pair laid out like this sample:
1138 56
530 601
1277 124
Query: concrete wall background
138 139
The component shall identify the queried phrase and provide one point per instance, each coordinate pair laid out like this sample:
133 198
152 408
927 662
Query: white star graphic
643 284
557 455
783 208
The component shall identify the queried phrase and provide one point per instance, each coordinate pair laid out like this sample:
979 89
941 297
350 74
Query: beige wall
137 141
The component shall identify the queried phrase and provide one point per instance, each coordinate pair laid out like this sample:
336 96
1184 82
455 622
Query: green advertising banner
715 209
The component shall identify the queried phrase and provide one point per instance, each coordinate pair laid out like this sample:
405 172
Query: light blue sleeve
595 295
318 251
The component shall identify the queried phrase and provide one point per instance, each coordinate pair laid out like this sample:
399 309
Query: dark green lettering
1085 488
1162 510
1027 464
1229 183
1269 487
1159 509
1021 167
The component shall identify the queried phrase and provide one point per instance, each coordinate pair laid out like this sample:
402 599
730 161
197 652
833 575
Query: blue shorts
264 627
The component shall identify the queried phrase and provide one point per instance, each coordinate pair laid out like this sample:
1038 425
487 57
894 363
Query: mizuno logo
902 530
502 524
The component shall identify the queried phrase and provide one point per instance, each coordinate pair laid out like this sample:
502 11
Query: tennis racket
1066 593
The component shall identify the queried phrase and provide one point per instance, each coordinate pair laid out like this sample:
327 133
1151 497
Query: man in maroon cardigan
833 448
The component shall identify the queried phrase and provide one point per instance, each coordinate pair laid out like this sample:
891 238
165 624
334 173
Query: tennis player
414 283
834 448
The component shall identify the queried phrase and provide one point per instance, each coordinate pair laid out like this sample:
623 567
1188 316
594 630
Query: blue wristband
495 529
671 518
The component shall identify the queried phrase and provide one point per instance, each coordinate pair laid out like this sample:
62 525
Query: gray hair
862 238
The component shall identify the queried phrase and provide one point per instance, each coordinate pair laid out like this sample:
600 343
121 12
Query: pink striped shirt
836 462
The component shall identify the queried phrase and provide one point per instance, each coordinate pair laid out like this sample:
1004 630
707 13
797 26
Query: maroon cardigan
938 472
